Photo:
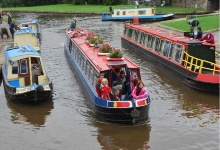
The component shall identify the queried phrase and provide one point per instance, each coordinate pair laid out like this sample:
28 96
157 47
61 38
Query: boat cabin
24 66
26 35
124 12
33 24
190 53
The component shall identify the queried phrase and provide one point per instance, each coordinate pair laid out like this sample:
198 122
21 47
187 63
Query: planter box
99 53
115 59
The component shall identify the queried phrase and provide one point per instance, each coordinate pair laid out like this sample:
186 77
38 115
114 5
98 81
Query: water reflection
34 114
113 136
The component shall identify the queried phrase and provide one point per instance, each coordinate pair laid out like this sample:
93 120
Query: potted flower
105 49
115 54
94 40
90 36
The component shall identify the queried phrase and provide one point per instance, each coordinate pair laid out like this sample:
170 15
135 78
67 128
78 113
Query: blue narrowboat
34 25
88 63
143 14
26 35
24 75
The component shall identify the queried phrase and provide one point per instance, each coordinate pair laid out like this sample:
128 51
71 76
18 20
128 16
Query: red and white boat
191 61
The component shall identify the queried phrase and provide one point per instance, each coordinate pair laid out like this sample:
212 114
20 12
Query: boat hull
119 115
31 96
184 75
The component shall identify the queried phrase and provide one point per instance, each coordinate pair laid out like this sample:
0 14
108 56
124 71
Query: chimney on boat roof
135 20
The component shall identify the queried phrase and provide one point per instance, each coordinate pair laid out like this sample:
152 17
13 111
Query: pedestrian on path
11 28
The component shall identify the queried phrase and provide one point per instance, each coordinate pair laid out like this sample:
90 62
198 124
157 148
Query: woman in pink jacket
139 91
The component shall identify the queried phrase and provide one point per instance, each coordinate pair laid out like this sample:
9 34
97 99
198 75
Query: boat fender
135 113
40 89
33 34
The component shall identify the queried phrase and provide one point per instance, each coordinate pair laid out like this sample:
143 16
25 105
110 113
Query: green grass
208 22
95 8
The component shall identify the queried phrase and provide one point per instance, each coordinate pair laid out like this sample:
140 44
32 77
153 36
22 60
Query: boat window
72 50
70 45
156 44
67 40
142 38
118 13
177 53
165 48
15 67
87 68
125 31
130 32
145 39
149 41
142 12
23 66
124 12
91 75
135 37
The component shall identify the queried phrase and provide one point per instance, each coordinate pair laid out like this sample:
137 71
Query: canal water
180 118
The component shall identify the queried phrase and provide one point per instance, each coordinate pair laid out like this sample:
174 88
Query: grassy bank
208 22
95 8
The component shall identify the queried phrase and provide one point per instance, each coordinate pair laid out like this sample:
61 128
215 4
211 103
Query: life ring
40 89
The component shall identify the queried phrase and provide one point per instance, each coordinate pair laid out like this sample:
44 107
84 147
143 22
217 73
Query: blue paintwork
107 17
25 30
16 52
33 21
14 83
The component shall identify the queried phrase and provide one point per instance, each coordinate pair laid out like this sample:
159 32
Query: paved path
3 42
216 32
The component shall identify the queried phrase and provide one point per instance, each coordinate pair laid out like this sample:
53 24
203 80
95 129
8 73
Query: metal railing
198 65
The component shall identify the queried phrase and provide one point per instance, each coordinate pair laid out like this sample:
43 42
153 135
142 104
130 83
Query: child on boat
139 91
98 84
113 95
105 89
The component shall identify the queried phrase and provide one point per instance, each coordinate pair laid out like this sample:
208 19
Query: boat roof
165 34
91 53
16 51
135 9
24 30
29 21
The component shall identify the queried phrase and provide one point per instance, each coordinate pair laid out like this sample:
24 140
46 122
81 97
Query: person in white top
136 4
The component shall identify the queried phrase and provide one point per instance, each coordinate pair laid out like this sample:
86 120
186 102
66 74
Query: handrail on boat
197 65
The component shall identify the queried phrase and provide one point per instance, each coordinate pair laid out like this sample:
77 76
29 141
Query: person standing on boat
136 4
105 89
110 10
209 38
73 24
139 91
199 33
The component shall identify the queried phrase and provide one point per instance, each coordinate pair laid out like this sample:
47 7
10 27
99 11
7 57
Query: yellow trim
199 68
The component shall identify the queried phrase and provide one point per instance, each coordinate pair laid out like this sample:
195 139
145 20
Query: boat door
24 72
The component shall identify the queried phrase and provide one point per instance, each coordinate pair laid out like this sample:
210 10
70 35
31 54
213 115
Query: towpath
3 42
215 32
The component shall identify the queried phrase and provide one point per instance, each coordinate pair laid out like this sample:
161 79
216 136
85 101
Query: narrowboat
88 63
34 25
24 75
26 35
143 14
191 61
